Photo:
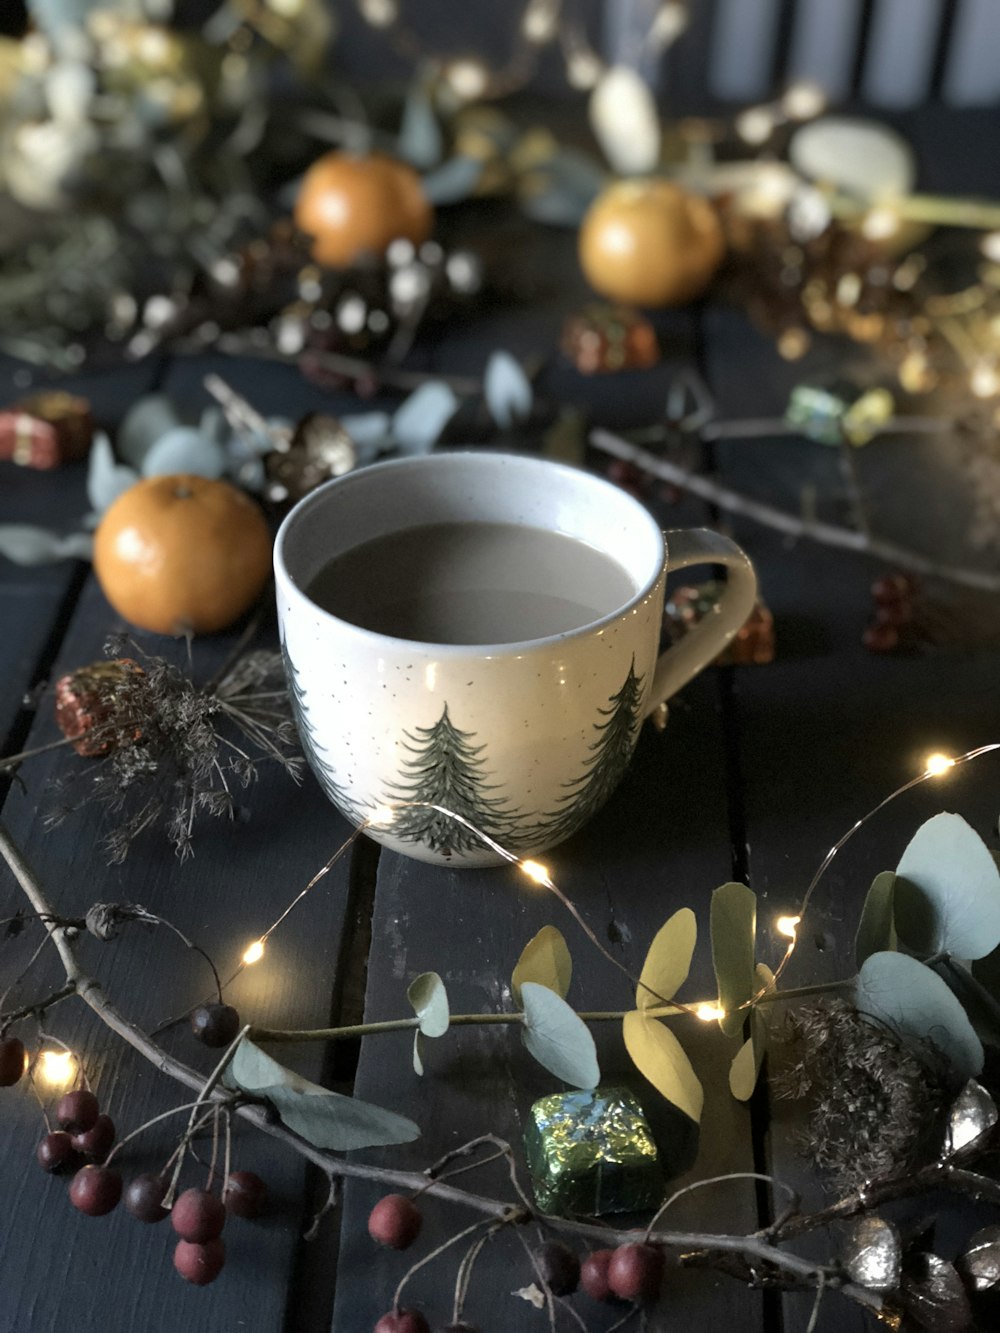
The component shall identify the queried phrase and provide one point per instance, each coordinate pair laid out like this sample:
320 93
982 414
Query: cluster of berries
632 1272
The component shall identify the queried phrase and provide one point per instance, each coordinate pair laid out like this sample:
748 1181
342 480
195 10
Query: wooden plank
828 730
114 1273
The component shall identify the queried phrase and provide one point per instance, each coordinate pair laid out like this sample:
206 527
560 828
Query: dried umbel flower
875 1106
172 748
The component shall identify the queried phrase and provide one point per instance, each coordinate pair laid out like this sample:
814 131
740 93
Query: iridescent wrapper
591 1153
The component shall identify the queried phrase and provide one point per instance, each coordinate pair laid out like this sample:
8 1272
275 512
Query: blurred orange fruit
181 553
353 206
648 242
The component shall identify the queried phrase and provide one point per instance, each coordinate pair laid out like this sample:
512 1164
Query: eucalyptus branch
683 1243
827 534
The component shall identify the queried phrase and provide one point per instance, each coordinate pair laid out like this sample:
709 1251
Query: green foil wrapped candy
592 1153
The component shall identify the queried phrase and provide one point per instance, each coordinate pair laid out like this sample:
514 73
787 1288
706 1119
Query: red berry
881 638
635 1272
892 588
96 1142
395 1221
559 1267
402 1321
200 1264
144 1198
56 1153
95 1190
13 1061
245 1194
594 1275
76 1112
215 1024
198 1216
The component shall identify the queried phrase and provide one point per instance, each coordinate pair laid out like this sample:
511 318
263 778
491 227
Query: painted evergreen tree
447 769
609 756
316 754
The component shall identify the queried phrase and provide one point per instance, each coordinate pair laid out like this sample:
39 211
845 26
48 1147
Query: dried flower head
173 748
875 1105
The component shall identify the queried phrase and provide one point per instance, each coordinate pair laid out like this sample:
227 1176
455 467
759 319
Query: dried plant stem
827 534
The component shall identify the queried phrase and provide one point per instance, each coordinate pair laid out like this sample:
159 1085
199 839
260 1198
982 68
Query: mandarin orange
180 553
353 206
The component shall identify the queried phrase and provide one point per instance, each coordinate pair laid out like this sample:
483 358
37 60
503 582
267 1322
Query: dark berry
144 1198
95 1190
559 1267
245 1194
198 1216
594 1275
76 1112
402 1321
395 1221
881 638
635 1272
215 1024
892 588
13 1061
95 1143
200 1263
56 1153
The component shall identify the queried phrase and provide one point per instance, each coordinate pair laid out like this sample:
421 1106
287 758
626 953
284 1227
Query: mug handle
700 546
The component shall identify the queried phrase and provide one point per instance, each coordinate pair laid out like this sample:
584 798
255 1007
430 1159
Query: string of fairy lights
59 1068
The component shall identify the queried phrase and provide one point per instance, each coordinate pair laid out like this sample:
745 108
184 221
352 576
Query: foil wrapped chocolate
592 1153
607 338
752 645
831 416
46 430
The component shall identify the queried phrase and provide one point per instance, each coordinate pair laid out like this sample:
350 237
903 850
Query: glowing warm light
468 79
381 815
56 1068
937 764
787 926
984 380
990 246
709 1013
879 224
802 101
755 125
540 22
583 69
535 871
254 953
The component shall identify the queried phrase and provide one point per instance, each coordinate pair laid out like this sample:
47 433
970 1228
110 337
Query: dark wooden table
757 773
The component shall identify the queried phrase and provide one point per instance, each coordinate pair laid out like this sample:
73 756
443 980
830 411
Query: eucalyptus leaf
185 449
25 544
420 140
668 961
947 896
979 1263
913 1000
327 1119
558 1038
872 1253
147 420
659 1057
733 922
971 1116
626 121
453 181
876 929
106 479
745 1069
418 1055
418 423
429 998
932 1295
507 390
545 959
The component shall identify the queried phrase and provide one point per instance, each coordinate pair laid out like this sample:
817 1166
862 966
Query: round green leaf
659 1056
668 961
429 998
947 897
558 1038
876 929
733 922
544 960
916 1003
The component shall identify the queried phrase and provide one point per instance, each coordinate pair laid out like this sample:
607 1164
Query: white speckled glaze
534 714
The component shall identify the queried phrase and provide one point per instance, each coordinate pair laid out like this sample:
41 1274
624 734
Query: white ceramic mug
540 730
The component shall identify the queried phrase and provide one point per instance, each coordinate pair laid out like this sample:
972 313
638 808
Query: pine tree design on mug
603 769
315 753
448 770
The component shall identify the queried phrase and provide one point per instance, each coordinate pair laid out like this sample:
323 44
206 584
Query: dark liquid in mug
471 583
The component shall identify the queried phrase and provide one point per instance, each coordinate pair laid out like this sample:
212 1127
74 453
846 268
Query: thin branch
827 534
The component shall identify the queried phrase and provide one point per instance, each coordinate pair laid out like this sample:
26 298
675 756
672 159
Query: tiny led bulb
937 764
381 815
56 1068
535 871
709 1013
254 952
787 926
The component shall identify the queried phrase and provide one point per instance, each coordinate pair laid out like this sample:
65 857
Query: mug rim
284 580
